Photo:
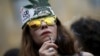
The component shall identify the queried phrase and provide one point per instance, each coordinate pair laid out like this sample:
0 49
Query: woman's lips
45 32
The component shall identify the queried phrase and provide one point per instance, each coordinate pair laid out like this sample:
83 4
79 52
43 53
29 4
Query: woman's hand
48 49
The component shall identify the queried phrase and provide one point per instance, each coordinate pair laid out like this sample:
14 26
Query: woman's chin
46 39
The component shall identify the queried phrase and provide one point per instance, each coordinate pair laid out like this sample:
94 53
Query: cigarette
51 49
51 39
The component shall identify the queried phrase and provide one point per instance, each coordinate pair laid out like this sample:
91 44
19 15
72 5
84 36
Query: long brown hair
64 41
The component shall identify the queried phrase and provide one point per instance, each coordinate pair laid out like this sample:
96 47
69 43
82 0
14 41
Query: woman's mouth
45 32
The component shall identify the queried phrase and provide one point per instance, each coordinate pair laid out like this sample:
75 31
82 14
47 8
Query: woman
43 34
38 40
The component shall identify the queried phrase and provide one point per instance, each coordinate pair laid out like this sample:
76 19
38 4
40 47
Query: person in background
43 34
87 30
12 52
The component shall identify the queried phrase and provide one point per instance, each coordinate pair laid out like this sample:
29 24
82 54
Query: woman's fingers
48 48
48 44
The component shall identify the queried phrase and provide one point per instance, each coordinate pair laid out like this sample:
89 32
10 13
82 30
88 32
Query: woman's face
44 33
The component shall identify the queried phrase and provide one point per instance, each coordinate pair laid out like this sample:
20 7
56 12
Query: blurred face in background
43 29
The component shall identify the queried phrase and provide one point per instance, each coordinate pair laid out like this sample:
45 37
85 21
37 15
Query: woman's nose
44 25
